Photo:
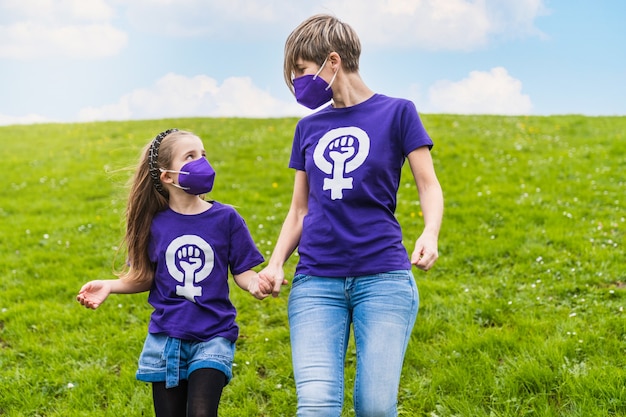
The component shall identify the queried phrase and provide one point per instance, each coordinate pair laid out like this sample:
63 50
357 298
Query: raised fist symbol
345 147
341 149
189 259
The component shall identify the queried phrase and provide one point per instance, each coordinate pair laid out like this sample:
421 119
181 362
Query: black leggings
199 396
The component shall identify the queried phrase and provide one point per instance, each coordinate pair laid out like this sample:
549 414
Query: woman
353 267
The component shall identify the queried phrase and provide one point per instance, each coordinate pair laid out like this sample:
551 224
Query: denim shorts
168 359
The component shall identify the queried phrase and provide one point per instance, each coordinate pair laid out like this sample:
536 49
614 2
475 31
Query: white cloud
439 24
27 40
85 28
233 19
426 24
445 24
179 96
492 92
516 18
32 29
23 120
58 10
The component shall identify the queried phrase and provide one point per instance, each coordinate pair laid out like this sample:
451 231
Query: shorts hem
184 375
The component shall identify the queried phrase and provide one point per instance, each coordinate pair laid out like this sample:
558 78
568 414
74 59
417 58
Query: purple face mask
312 91
195 177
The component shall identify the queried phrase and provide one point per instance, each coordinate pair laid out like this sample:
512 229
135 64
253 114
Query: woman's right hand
93 293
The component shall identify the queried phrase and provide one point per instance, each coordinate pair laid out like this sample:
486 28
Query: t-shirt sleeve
413 132
243 253
297 155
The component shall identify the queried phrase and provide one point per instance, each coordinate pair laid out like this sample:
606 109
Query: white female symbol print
347 148
190 259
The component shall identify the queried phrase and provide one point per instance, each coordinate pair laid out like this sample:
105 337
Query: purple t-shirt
193 254
353 158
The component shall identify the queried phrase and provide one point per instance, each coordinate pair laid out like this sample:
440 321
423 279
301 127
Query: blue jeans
382 309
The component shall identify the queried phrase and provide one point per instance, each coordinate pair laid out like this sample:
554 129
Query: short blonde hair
315 38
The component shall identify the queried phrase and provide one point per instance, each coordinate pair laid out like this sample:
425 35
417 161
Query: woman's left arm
431 201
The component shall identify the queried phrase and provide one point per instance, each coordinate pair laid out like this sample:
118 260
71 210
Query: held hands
93 293
276 276
259 287
425 253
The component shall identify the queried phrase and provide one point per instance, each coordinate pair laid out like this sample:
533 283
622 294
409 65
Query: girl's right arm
94 293
290 233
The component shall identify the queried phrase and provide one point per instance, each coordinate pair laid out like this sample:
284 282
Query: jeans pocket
300 279
399 275
217 347
153 352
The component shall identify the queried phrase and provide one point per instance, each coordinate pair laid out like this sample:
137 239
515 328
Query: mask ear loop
153 155
321 68
331 80
173 183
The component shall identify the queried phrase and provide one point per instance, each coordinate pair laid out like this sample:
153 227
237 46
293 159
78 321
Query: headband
153 155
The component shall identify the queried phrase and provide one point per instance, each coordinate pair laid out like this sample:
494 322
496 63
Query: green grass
521 316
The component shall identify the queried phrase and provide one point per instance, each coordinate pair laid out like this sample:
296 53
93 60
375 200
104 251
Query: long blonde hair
147 197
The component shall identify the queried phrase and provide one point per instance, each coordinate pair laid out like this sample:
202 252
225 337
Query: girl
180 248
353 269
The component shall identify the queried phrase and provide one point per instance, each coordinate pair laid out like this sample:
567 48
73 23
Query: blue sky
85 60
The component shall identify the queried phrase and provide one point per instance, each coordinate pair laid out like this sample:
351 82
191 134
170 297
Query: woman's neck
350 91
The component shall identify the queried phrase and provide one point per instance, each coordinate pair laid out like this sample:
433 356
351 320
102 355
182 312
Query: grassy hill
523 315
